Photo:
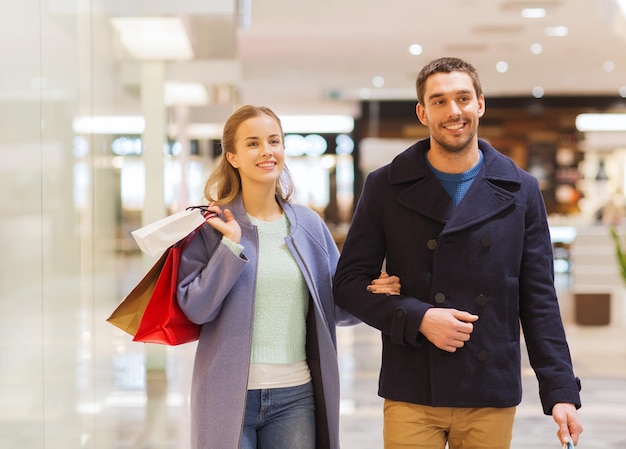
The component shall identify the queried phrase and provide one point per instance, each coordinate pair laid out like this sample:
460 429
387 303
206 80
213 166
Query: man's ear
232 159
481 106
421 114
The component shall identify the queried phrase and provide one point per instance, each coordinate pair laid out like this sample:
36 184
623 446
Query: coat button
482 356
440 298
432 244
481 299
399 313
485 241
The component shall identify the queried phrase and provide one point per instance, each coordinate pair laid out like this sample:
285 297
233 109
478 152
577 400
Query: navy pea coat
491 256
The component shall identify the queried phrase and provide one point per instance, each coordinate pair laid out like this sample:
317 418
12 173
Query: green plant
620 250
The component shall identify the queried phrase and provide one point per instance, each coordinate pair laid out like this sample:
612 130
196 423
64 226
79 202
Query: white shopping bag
156 237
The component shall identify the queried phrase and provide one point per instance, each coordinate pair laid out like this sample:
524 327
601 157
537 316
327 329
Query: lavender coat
216 289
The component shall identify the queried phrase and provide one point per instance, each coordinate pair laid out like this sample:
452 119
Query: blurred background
110 118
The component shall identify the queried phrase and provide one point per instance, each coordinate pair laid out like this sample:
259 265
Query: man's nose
455 110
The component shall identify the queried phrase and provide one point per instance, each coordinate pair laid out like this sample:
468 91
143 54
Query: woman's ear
232 159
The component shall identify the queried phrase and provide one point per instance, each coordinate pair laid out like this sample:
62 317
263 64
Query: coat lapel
492 190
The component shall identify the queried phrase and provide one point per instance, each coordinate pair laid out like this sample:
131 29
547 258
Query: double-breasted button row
481 299
431 244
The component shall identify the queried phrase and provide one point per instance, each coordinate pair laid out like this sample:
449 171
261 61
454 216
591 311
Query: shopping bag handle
203 208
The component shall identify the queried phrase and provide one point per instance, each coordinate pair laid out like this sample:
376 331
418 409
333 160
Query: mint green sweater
281 300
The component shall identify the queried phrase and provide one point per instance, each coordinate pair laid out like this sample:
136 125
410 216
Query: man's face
451 110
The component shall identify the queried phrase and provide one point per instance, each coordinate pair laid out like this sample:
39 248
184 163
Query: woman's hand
385 284
228 226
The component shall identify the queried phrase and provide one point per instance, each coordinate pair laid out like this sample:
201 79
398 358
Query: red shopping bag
163 321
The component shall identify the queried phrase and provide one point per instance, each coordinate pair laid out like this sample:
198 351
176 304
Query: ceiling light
538 92
533 13
622 6
608 66
109 125
622 91
378 81
558 31
154 38
536 49
187 94
502 66
415 49
601 122
317 123
365 93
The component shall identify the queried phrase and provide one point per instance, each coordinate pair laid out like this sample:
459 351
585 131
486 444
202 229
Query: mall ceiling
323 56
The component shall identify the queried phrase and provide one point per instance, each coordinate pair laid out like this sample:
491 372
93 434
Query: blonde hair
224 183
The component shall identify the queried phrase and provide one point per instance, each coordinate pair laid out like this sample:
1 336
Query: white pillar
153 138
182 122
153 110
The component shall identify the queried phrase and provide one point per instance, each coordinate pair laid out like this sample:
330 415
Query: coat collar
492 190
239 212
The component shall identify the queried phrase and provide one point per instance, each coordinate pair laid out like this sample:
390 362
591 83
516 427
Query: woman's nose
266 149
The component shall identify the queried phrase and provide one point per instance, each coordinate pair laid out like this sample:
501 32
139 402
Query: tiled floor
97 395
599 356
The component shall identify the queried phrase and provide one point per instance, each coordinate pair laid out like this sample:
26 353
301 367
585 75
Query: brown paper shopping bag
128 313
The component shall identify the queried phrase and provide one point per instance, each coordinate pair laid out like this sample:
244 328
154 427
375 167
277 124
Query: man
466 231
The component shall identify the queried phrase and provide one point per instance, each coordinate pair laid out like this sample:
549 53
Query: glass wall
71 196
68 379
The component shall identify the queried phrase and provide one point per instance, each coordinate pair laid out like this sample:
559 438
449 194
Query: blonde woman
258 278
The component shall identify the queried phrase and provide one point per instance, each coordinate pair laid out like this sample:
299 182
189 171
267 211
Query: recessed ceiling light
622 91
608 66
378 81
601 122
502 66
108 125
415 49
154 38
557 31
187 94
538 91
536 49
533 13
317 123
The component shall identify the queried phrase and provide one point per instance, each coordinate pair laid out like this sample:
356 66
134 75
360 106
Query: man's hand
385 284
566 416
448 329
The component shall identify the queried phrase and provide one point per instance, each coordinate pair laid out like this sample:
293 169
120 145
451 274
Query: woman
258 279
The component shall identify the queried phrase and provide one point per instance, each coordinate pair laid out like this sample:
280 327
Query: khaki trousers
423 427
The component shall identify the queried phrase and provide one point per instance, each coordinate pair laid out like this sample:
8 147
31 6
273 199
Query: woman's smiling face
259 151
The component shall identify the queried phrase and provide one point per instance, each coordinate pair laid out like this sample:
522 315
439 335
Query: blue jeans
280 418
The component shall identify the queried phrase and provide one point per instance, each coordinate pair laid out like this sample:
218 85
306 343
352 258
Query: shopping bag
156 237
128 313
163 321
